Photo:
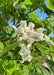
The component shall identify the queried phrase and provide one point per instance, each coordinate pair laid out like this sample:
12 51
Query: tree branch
14 14
29 12
32 10
6 4
4 40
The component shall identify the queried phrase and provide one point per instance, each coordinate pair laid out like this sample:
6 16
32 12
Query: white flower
48 57
14 27
23 36
40 30
20 29
38 36
31 25
25 53
24 49
23 24
47 39
29 58
29 45
31 35
30 41
28 33
23 46
27 29
26 57
45 64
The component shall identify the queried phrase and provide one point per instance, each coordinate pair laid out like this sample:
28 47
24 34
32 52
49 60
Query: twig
4 40
14 14
5 4
32 10
29 12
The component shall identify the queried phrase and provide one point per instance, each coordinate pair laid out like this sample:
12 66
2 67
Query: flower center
20 27
31 28
29 42
23 26
39 35
28 33
35 29
26 55
21 35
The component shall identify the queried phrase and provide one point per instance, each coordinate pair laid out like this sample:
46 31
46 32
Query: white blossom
23 24
30 35
47 39
31 25
38 36
25 53
40 30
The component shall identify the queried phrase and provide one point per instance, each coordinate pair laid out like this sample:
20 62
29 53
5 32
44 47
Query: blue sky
41 15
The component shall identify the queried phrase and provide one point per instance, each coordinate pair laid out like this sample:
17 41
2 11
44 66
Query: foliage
50 4
11 13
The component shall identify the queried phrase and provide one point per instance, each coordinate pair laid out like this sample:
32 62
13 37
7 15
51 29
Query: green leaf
24 71
38 70
52 21
44 72
50 4
1 45
33 16
51 62
10 66
6 49
31 66
22 6
42 47
1 68
20 72
28 2
25 68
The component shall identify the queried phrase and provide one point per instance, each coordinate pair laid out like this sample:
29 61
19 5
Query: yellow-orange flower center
39 35
26 55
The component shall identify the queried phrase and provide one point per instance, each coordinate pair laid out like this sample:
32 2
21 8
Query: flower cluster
28 33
